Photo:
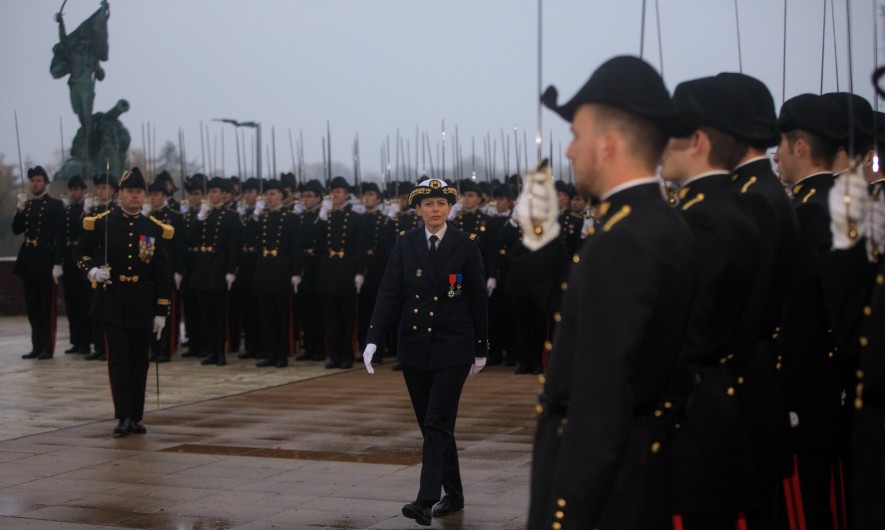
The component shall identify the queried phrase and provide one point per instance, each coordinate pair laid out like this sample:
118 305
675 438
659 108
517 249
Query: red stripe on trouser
107 354
797 492
741 521
837 497
789 502
677 522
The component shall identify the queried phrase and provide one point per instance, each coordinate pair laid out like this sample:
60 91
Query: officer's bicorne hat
195 182
765 132
132 179
814 114
633 86
250 183
469 185
721 105
164 176
504 190
405 188
287 180
432 188
860 118
158 185
104 178
339 182
274 184
370 187
37 171
218 182
313 186
76 182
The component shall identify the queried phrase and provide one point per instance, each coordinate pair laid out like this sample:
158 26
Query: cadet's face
37 185
274 198
132 199
75 194
216 196
103 192
503 204
339 197
582 151
158 200
434 211
470 200
578 204
674 158
563 198
290 194
310 200
194 198
371 199
785 160
250 196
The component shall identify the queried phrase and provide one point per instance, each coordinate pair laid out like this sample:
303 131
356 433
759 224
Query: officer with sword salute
125 255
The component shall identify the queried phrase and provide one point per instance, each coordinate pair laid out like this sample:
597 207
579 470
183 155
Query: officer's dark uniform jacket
713 469
570 226
275 249
483 225
342 253
625 304
216 246
250 230
408 220
141 278
74 214
42 221
442 322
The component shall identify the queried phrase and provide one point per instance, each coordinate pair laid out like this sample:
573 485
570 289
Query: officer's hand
259 207
478 364
537 210
230 278
204 211
295 281
87 204
159 324
367 357
848 209
99 274
491 283
177 277
56 273
22 199
876 227
358 281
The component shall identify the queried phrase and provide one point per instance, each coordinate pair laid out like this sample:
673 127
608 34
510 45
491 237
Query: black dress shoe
202 354
397 367
122 428
189 353
246 355
493 361
73 349
212 359
221 360
346 366
102 357
43 356
421 514
448 505
522 370
84 349
332 364
303 357
265 363
282 362
510 362
136 427
162 359
32 355
152 358
317 357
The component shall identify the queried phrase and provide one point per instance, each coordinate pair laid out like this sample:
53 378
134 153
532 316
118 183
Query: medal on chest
454 285
146 246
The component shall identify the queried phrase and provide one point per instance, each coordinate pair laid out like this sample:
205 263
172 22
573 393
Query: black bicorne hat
814 114
164 176
37 171
195 182
860 118
371 186
158 185
339 182
287 180
632 85
274 184
469 185
218 182
132 179
313 186
76 182
250 183
720 104
764 114
104 178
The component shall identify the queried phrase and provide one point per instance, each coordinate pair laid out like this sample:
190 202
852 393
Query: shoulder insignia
810 193
683 192
89 222
168 230
616 218
692 202
402 232
472 236
748 184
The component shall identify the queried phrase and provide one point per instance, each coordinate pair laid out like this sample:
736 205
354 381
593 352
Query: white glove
876 228
87 204
99 274
848 209
230 278
358 281
145 209
65 201
325 209
56 273
358 208
204 211
159 324
298 208
295 281
794 420
185 207
177 277
455 209
491 283
585 229
241 210
259 207
22 199
367 357
513 222
392 210
537 211
478 364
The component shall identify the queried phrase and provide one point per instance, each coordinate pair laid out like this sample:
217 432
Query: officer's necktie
433 240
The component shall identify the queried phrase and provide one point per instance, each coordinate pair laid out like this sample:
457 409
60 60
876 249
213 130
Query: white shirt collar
750 161
441 234
626 185
704 175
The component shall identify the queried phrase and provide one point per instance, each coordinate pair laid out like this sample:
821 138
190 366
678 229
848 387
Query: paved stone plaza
245 447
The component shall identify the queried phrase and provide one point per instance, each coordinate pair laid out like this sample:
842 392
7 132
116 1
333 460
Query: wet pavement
245 447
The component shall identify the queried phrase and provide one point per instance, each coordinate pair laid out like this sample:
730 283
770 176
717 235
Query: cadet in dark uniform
163 349
76 288
811 128
341 274
435 285
106 188
134 285
378 228
505 329
189 295
311 230
600 455
244 294
39 261
166 179
274 277
216 238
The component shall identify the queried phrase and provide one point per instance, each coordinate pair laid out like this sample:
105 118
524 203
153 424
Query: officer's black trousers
247 300
500 334
435 395
366 301
168 339
76 289
193 324
529 331
38 299
274 308
338 313
213 319
310 313
128 368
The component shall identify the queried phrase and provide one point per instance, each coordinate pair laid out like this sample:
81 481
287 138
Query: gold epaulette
168 230
89 222
692 202
616 218
748 184
810 193
472 236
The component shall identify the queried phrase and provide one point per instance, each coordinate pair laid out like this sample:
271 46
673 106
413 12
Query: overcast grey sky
370 67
